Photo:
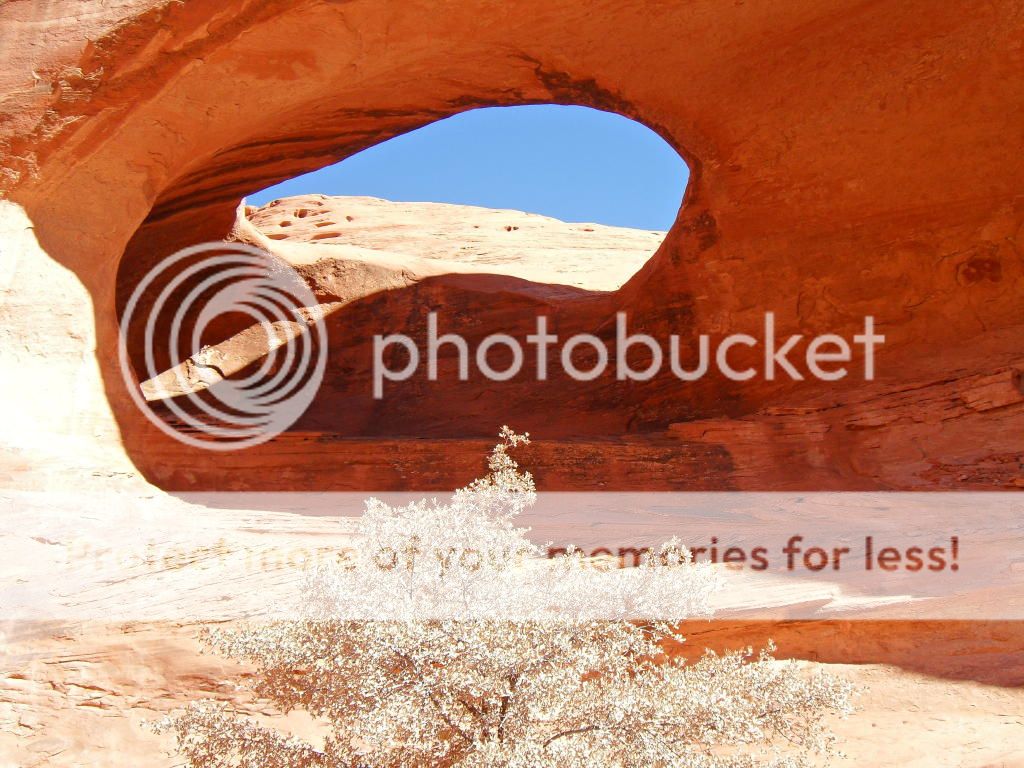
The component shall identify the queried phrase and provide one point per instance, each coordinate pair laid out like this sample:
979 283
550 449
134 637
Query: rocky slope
85 696
456 237
102 611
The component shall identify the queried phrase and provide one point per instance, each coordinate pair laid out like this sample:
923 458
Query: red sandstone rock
845 162
847 159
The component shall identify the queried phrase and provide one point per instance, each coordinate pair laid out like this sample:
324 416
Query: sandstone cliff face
845 162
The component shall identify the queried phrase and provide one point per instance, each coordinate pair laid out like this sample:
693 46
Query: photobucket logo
823 357
273 349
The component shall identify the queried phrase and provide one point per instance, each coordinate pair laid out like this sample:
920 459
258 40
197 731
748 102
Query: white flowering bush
451 640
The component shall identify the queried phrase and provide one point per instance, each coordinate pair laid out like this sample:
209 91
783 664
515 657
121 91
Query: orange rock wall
847 159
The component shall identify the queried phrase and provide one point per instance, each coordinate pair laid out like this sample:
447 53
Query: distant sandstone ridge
460 238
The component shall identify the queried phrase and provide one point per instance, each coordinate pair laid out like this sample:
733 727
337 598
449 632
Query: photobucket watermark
825 356
224 346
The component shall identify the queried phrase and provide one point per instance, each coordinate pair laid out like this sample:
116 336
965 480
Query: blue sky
573 163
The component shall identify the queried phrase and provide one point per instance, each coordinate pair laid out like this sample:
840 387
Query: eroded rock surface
829 181
536 248
847 159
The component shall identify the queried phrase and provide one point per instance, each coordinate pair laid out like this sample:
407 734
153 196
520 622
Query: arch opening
426 221
549 193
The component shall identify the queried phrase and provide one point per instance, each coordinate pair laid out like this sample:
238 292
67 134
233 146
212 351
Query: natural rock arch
824 187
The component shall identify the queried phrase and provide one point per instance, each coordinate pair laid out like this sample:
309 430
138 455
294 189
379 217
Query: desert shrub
414 655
